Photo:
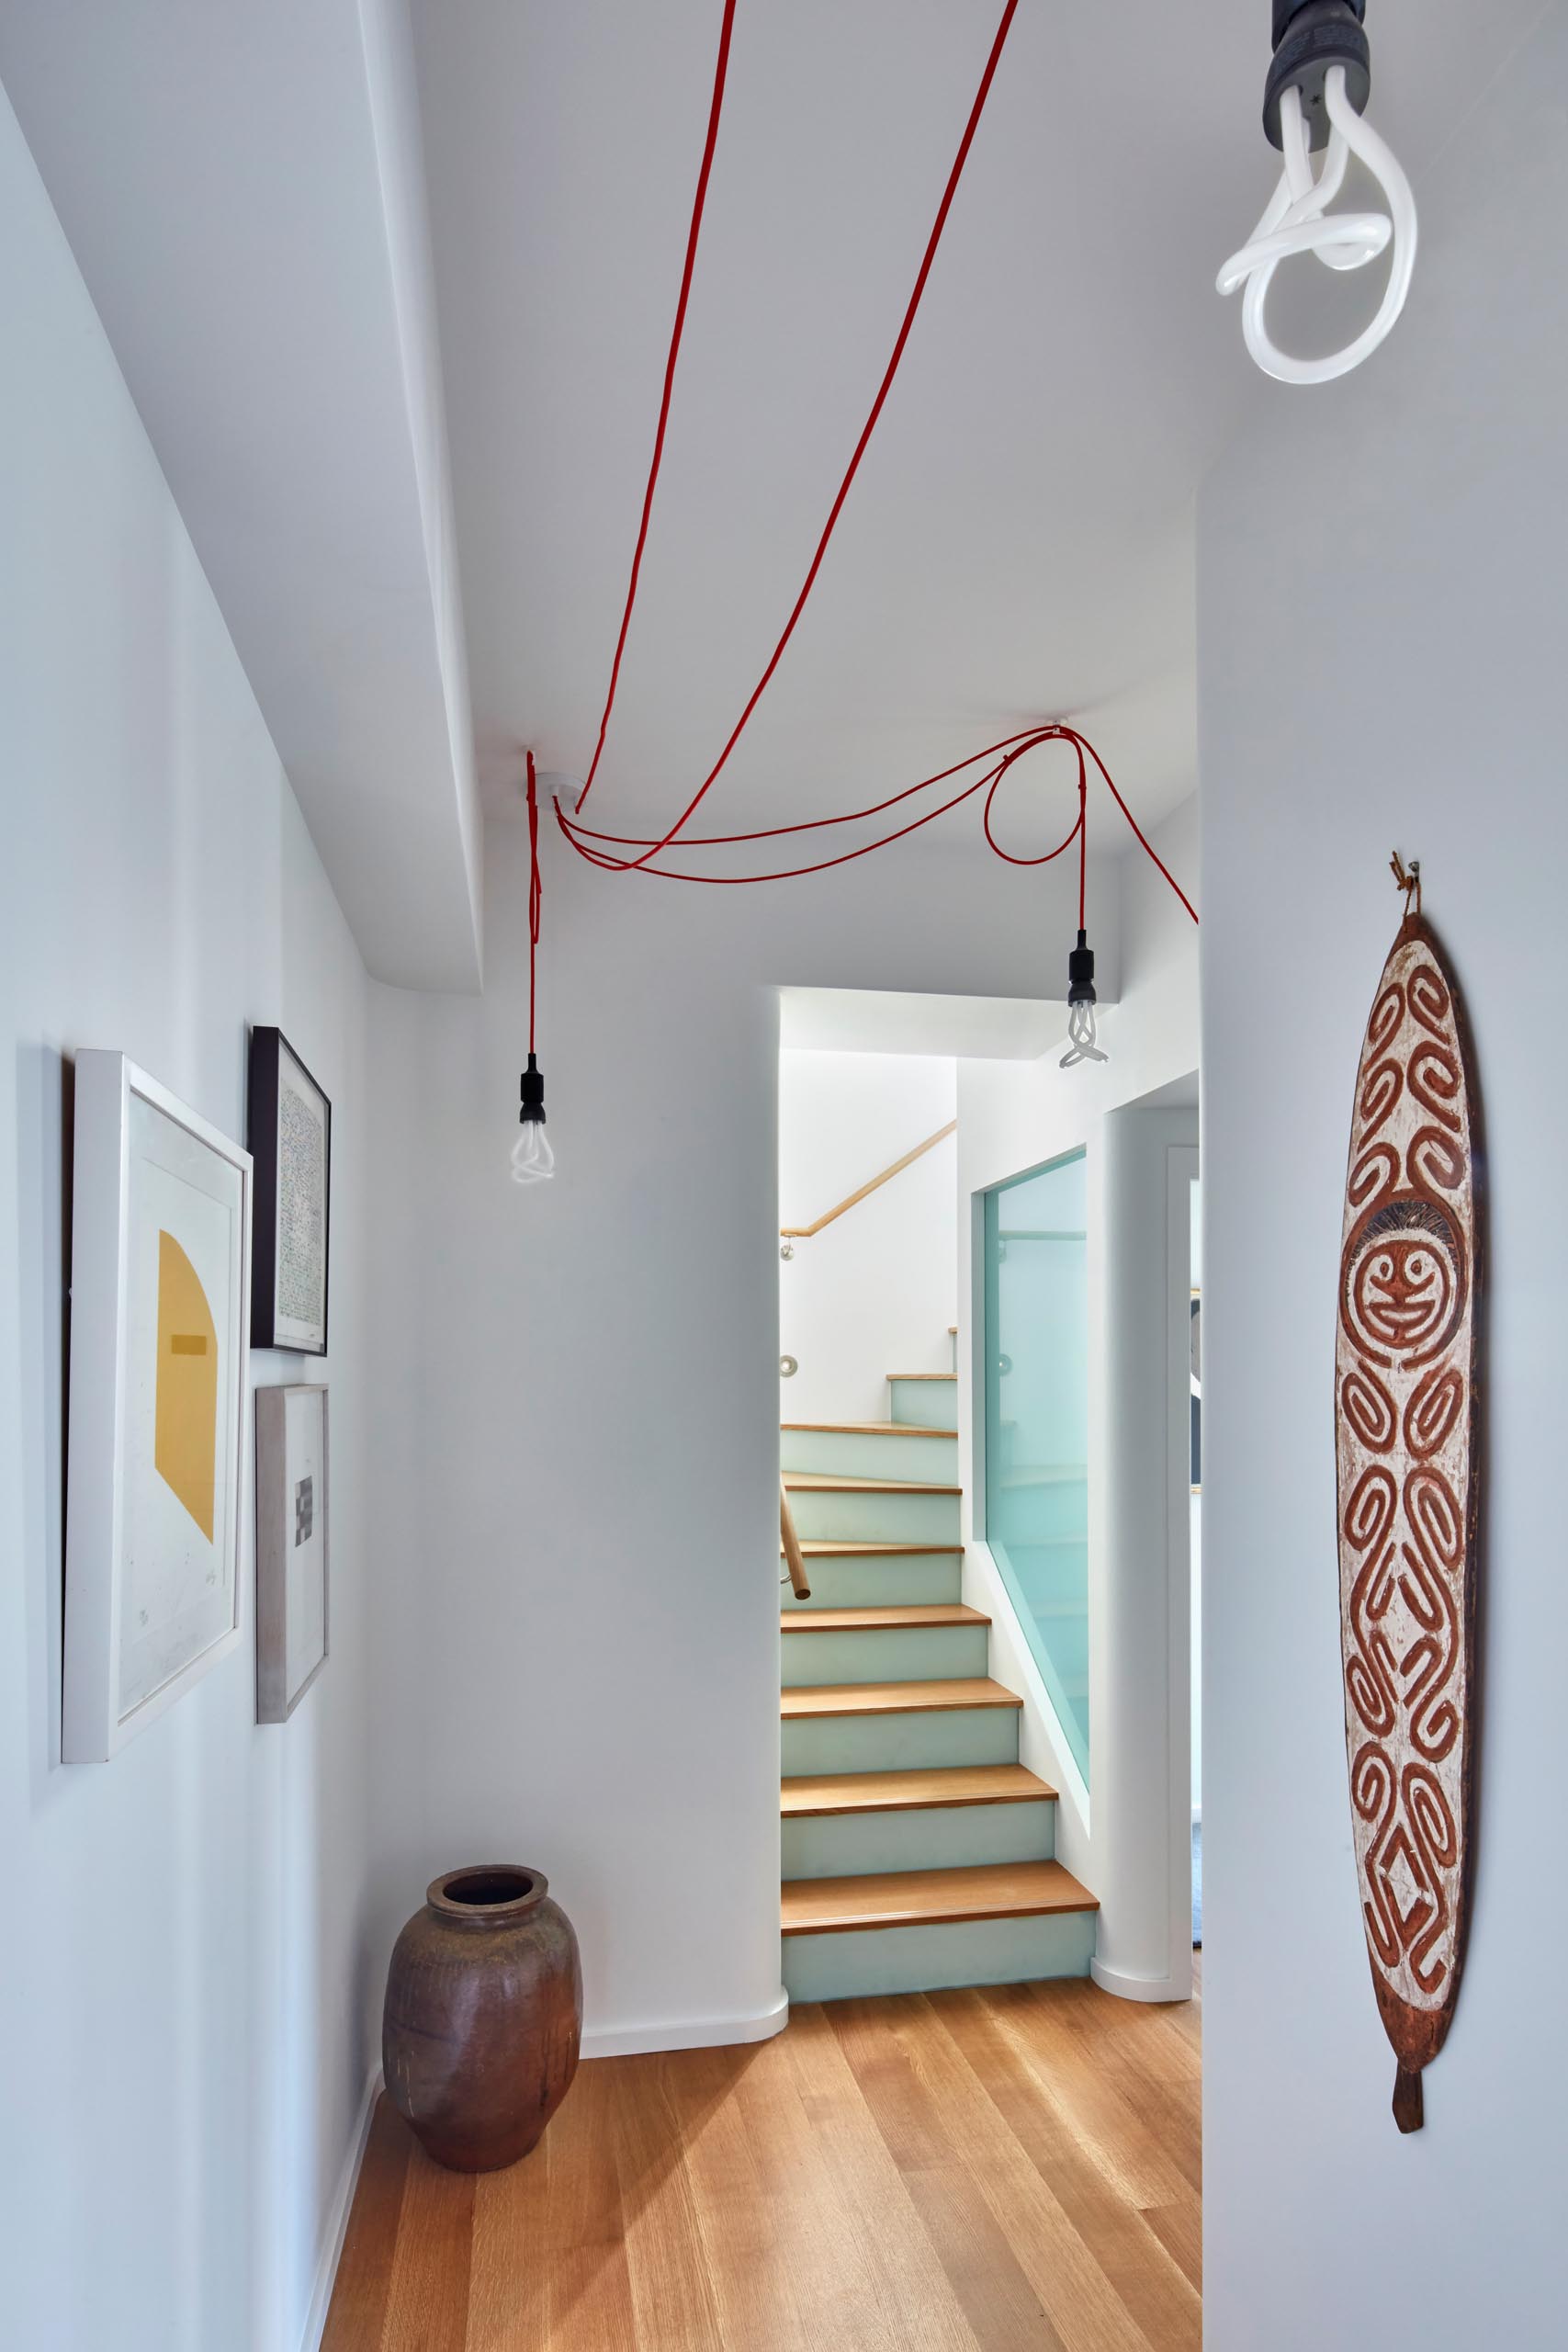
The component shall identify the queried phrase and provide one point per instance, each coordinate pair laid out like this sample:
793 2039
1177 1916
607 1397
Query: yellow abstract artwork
185 1420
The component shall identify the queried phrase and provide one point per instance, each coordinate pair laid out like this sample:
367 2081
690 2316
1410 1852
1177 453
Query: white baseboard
687 2033
337 2220
1127 1987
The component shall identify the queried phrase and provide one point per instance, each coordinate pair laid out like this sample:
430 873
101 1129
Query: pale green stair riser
845 1580
910 1654
924 1404
857 1453
823 1515
835 1967
919 1741
934 1837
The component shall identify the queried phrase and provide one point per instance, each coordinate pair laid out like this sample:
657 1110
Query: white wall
181 1970
1195 1536
1014 1116
876 1292
1382 581
575 1485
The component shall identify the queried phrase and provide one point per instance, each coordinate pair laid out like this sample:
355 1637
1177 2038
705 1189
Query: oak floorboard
1002 2169
905 2301
672 2300
1060 2263
1179 2229
584 2255
508 2293
1135 2262
428 2302
1004 2311
1088 2095
363 2282
745 2235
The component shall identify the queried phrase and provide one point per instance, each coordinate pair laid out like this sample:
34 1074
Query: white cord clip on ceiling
1315 97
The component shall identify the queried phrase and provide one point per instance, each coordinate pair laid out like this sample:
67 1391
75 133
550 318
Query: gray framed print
290 1136
293 1543
160 1277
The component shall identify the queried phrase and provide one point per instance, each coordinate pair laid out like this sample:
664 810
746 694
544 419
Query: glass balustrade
1037 1423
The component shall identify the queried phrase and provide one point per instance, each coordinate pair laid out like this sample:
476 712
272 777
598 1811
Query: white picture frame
293 1545
160 1320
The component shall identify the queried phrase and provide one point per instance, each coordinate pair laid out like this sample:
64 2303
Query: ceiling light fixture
1316 98
1083 1038
533 1156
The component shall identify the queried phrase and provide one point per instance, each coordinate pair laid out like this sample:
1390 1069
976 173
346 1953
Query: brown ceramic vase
484 2016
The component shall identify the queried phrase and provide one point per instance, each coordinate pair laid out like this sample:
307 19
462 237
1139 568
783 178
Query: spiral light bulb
533 1160
1083 1042
1319 44
1083 1037
532 1157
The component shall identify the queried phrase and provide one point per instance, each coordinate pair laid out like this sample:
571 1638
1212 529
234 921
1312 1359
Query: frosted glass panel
1037 1423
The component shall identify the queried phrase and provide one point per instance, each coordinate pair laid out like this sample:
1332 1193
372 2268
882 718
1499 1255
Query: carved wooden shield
1409 1463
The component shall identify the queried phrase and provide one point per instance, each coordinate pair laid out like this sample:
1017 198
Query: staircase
916 1848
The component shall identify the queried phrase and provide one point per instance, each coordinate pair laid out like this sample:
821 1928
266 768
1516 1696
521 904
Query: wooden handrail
795 1558
805 1232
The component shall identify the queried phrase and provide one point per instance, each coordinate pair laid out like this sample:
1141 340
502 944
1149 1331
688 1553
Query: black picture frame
276 1073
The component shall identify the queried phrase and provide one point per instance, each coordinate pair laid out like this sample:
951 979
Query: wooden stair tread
825 1548
930 1899
896 1698
879 1620
829 1482
864 1429
961 1784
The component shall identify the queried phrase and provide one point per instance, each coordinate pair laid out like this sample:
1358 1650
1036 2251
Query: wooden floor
1004 2169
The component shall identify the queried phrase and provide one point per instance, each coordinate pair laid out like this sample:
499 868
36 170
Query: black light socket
1080 973
1310 36
533 1085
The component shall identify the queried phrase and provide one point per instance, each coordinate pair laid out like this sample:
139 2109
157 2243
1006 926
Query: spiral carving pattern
1405 1395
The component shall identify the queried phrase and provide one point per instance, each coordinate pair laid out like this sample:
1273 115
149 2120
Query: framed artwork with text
291 1143
160 1266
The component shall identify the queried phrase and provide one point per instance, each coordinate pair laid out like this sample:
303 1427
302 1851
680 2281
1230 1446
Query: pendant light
533 1156
1314 101
1083 1038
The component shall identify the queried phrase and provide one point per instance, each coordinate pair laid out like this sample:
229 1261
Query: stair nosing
912 1617
897 1786
967 1902
802 1702
825 1547
824 1482
864 1429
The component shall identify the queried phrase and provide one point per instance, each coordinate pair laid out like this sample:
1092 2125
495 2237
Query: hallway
1009 2169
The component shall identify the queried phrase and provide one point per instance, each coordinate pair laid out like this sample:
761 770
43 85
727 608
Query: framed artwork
291 1138
293 1534
160 1276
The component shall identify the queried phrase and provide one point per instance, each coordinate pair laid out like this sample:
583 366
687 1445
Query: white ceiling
242 187
1019 543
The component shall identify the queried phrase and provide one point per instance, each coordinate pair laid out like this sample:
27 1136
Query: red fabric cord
600 849
536 899
1014 749
699 206
911 314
